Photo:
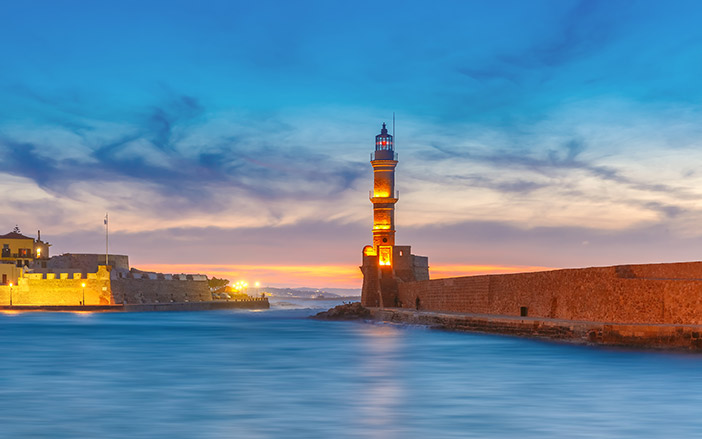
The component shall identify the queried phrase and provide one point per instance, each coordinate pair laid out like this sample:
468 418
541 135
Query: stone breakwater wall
678 337
104 287
63 289
252 303
645 294
138 291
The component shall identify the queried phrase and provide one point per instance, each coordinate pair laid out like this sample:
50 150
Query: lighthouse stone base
380 282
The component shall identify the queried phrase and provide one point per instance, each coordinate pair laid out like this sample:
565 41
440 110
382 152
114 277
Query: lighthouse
383 196
386 265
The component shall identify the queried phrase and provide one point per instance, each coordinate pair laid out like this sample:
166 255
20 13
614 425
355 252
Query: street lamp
10 293
83 285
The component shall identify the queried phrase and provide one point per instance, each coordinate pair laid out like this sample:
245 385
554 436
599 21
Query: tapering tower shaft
383 197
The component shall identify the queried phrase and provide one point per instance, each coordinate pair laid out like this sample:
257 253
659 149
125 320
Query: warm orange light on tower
385 255
383 196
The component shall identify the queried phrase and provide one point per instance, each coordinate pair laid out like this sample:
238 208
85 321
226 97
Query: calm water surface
275 374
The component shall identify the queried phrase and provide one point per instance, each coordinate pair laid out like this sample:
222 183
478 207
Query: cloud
502 243
23 159
165 151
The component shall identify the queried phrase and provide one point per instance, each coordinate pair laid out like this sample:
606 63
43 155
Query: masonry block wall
160 290
87 262
651 293
35 289
102 288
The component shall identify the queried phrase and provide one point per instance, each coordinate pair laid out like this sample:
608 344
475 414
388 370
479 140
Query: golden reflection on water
381 401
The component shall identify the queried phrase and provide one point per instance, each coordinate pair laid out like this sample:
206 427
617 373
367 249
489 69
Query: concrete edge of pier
635 335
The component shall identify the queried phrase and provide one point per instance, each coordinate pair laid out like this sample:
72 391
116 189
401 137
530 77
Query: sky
232 138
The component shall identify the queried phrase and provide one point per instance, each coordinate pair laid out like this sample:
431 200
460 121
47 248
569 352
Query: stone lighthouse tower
384 263
383 196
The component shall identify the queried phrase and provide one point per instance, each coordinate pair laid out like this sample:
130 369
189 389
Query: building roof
15 235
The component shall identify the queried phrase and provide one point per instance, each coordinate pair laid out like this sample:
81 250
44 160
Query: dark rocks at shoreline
347 311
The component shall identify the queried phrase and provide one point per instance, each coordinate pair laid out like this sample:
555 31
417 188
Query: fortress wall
160 291
52 289
679 270
5 294
36 289
670 293
87 262
458 294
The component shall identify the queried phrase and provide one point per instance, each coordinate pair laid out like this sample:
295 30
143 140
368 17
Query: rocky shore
347 311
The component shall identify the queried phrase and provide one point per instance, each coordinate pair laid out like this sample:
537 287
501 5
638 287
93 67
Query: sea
278 374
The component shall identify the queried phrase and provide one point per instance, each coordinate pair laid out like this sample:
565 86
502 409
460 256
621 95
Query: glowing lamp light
82 285
369 251
10 284
385 255
38 252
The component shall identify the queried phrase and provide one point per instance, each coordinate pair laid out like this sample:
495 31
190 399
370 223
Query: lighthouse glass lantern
383 141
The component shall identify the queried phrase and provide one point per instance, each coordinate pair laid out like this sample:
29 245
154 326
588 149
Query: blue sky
228 135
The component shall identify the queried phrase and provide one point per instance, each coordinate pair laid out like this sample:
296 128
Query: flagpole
106 242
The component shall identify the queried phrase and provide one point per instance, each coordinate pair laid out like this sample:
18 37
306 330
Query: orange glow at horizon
321 276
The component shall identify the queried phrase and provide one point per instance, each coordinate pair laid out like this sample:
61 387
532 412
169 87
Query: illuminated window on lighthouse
385 257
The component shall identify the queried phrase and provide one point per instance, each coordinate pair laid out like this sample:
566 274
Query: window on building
6 251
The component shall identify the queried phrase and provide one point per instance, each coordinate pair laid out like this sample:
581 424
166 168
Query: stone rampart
102 287
651 294
86 262
148 290
60 289
637 335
